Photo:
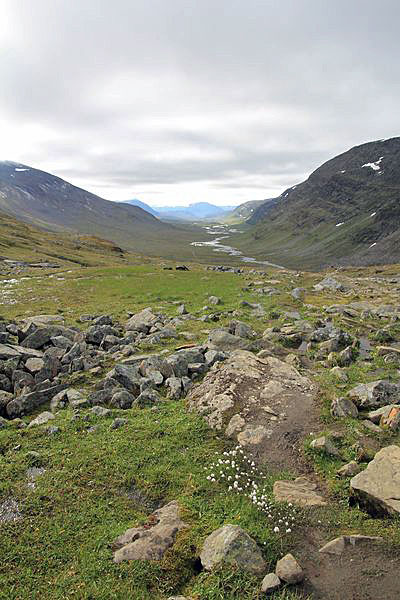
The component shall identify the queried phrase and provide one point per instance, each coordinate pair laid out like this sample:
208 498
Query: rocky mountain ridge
346 212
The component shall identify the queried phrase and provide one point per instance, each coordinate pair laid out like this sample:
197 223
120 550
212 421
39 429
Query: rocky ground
293 380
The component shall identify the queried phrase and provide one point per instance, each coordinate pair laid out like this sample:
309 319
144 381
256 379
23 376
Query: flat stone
251 436
100 411
12 351
301 492
219 339
289 570
339 544
230 544
34 365
377 488
9 511
41 419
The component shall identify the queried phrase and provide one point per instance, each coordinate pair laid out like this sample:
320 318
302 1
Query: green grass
81 504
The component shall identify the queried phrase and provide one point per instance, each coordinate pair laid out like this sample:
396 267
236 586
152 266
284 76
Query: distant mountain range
346 212
194 212
46 201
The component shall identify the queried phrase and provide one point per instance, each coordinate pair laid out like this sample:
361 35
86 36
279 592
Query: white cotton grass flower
239 474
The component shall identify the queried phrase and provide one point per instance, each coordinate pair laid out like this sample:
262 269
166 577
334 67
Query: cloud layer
182 101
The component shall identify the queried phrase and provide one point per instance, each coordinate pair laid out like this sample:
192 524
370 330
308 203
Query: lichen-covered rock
232 545
375 394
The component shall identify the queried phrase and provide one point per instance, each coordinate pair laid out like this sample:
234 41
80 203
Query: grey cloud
140 94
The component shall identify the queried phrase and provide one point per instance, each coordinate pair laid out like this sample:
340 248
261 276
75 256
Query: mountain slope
244 211
22 242
143 205
347 211
49 202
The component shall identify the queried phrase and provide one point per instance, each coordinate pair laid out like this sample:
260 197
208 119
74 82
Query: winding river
220 233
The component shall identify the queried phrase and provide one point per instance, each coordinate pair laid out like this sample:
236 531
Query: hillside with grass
48 202
346 212
154 422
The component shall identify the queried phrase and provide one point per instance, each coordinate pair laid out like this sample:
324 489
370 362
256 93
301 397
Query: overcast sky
177 101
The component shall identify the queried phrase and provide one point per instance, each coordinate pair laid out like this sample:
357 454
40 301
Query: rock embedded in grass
300 492
289 570
150 541
343 407
270 583
231 545
325 445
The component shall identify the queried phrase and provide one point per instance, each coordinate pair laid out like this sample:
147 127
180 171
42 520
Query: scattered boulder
377 488
343 407
326 446
375 394
349 470
152 540
298 294
270 583
232 545
142 321
220 339
331 284
118 422
289 570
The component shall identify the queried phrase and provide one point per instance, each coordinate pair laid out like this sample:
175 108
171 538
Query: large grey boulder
330 284
142 321
219 339
42 336
375 394
27 403
128 376
150 542
232 545
260 402
377 488
10 351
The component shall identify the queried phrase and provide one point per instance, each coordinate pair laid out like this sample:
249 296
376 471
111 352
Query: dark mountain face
348 209
41 199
